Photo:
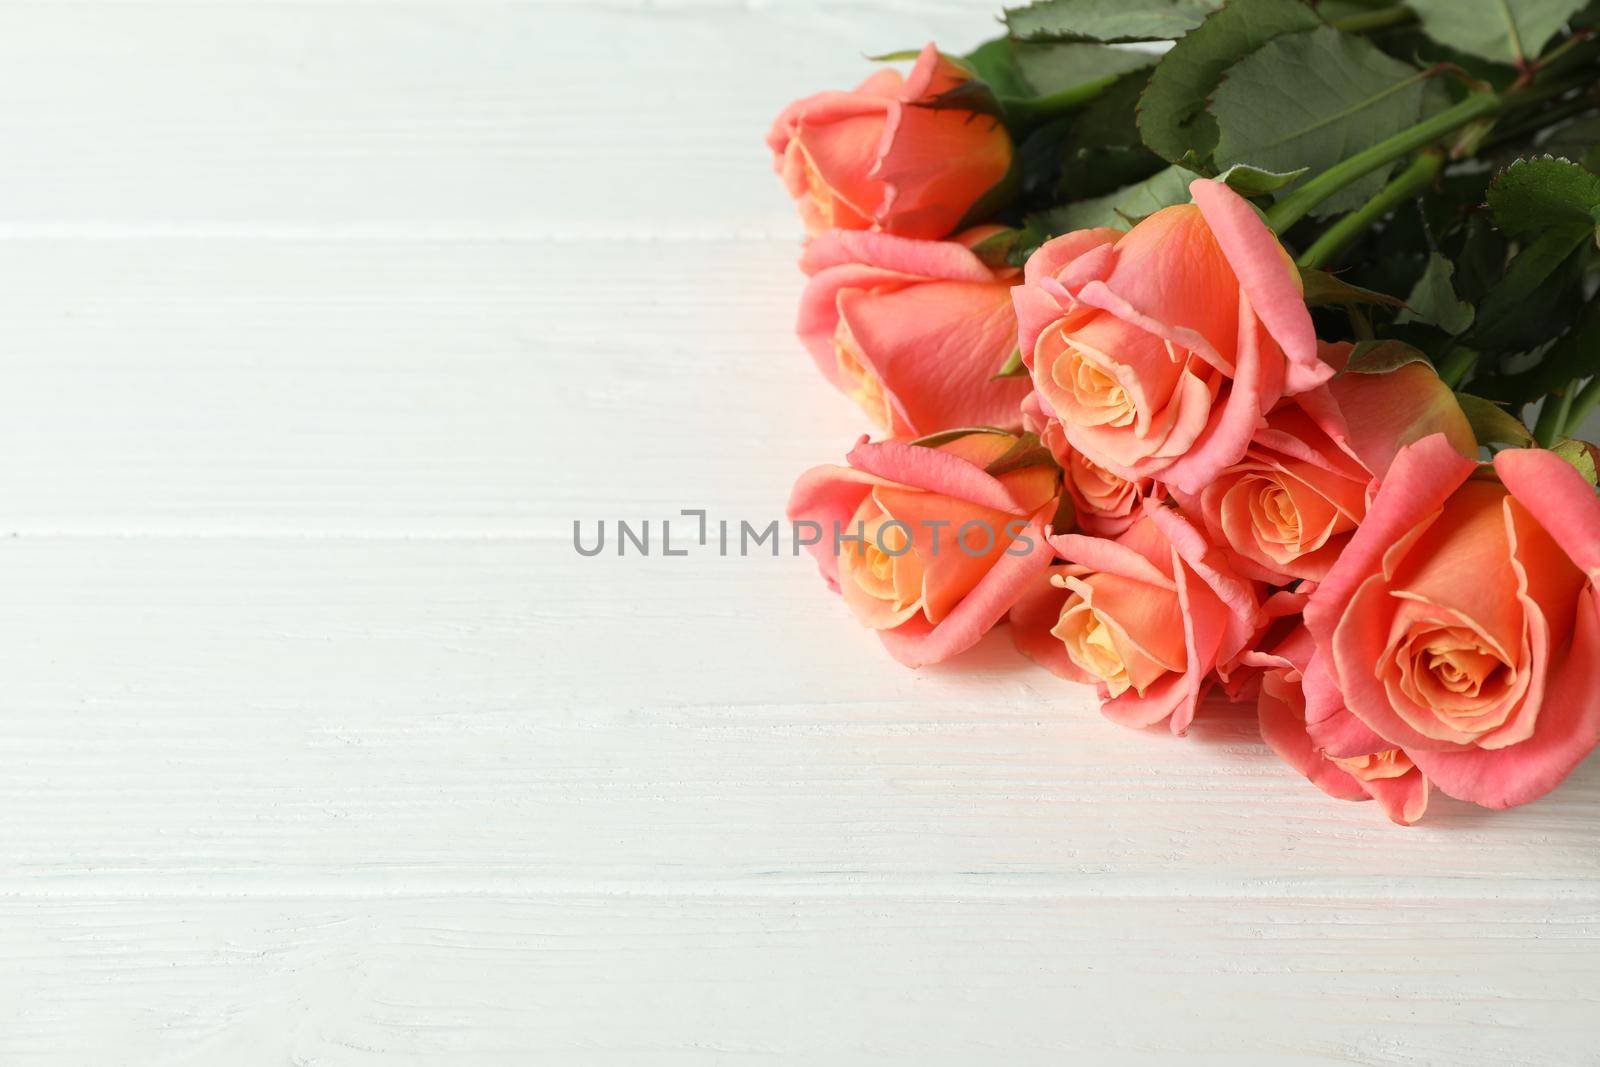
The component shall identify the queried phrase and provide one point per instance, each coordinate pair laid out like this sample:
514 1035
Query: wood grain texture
888 979
324 321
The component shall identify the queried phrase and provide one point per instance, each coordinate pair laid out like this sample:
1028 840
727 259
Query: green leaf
1165 188
1575 355
1172 115
1125 206
1502 30
1249 181
1517 312
1012 367
1036 230
1533 195
1381 357
1433 300
1107 21
1582 455
1334 10
996 63
1493 424
1323 288
1314 99
1052 68
1102 150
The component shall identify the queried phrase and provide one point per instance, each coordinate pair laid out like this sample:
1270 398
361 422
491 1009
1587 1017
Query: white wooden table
322 323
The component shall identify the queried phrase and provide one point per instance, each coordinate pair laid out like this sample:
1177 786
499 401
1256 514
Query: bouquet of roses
1211 366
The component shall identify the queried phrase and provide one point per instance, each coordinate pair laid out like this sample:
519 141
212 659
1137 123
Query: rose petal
917 643
1559 498
1268 277
1568 730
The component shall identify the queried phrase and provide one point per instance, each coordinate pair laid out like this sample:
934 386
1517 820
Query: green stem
1552 417
1033 110
1381 19
1292 208
1574 51
1456 364
1583 402
1420 174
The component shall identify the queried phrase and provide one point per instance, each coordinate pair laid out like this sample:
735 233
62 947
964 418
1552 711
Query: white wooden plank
478 387
577 118
217 714
927 979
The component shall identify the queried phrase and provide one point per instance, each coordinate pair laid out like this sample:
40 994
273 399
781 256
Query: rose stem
1552 417
1582 403
1292 208
1417 176
1381 19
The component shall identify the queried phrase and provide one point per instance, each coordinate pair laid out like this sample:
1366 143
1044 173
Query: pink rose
1387 775
947 537
884 158
1287 508
1160 350
1103 503
913 331
1146 618
1461 624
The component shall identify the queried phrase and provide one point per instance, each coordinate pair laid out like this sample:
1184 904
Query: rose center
886 550
1103 399
1461 670
1089 644
1274 515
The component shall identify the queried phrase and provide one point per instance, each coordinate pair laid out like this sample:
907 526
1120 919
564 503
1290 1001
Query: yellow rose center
1089 644
1276 519
1457 662
1102 399
881 574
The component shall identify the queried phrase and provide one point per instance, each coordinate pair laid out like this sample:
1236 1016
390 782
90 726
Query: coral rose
912 330
1387 775
930 545
890 156
1103 503
1461 623
1289 506
1160 349
1146 618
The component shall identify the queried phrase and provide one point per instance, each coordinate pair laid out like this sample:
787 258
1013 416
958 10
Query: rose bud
911 330
1160 349
1387 775
1146 618
1289 506
1461 623
890 156
1104 504
930 545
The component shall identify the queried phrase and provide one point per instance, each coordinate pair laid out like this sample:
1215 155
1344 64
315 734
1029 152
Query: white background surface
322 322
